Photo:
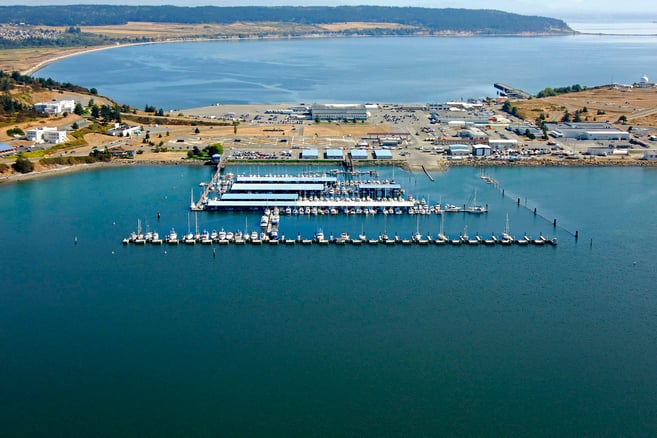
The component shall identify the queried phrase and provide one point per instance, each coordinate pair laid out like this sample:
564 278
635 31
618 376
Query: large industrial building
339 112
586 131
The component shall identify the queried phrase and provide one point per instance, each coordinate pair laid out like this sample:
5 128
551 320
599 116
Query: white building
46 135
650 155
123 130
55 137
55 106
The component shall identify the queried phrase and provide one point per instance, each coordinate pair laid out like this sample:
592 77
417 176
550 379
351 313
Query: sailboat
441 235
362 237
475 208
189 237
507 239
417 236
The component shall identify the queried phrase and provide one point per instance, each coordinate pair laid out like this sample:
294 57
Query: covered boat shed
310 154
276 188
459 150
333 154
358 154
481 150
382 154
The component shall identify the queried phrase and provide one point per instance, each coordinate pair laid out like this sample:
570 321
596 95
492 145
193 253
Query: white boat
319 235
288 211
222 235
506 236
254 235
441 235
344 237
475 208
275 219
238 235
451 208
172 237
264 221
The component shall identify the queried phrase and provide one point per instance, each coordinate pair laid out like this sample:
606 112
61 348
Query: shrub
23 165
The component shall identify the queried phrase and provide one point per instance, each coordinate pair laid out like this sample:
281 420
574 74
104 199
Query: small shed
358 154
382 154
333 154
310 154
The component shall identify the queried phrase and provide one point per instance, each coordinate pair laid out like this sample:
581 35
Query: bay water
353 70
97 338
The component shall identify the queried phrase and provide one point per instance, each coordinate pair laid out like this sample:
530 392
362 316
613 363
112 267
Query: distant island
76 25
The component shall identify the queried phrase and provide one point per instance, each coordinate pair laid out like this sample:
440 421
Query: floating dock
417 240
318 193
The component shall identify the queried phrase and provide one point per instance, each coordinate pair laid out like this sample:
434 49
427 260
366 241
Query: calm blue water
385 70
101 339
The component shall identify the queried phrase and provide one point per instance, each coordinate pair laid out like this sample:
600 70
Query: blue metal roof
379 186
260 196
334 153
382 153
310 153
239 187
5 147
358 153
286 179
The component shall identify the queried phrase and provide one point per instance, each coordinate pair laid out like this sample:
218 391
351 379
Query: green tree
15 131
23 165
196 131
79 110
216 148
75 125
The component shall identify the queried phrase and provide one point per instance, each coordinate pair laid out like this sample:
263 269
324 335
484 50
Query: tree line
427 19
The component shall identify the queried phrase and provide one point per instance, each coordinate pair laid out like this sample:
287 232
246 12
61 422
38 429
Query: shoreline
442 166
75 52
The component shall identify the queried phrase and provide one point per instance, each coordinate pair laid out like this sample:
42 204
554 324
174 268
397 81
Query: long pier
382 239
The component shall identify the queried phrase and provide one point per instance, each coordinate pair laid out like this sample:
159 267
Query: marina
318 193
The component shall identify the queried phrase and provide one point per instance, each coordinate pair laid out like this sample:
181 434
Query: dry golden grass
603 104
340 27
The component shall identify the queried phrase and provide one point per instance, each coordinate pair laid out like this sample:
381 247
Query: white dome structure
645 80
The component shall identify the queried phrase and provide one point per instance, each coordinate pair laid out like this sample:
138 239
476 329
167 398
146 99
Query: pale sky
563 9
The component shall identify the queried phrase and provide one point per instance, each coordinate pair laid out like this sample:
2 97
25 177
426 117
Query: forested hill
417 20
